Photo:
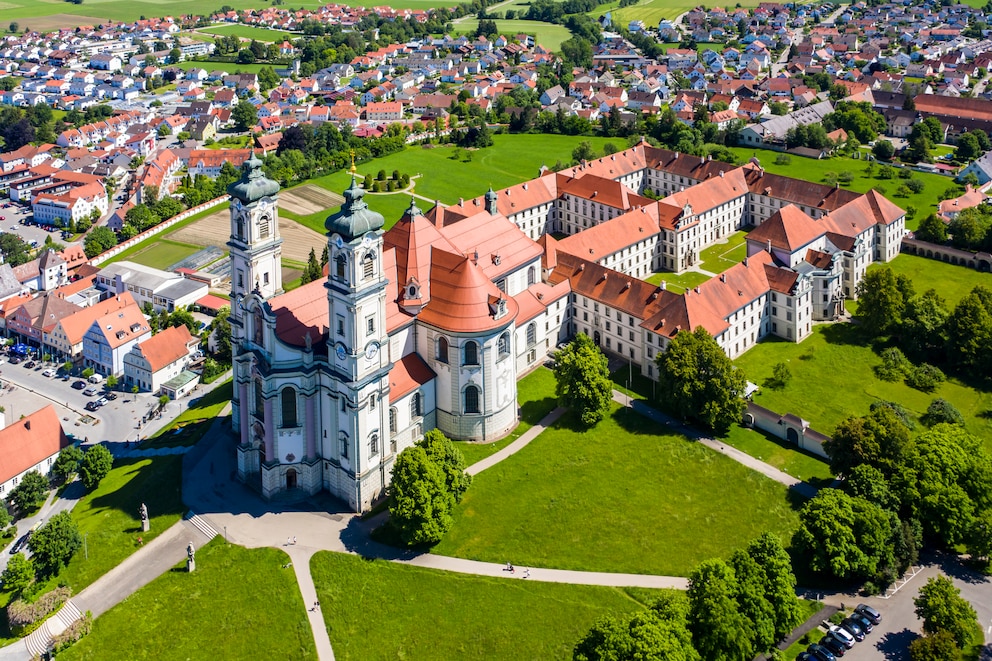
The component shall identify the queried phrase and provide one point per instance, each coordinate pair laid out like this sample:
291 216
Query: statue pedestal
146 525
190 565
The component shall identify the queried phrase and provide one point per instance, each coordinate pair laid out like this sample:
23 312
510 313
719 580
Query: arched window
259 401
341 266
470 354
368 265
531 334
442 350
392 420
240 228
531 276
344 443
373 444
289 407
259 325
471 399
504 345
415 411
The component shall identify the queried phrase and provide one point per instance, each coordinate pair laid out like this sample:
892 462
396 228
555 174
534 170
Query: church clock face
371 350
367 240
341 352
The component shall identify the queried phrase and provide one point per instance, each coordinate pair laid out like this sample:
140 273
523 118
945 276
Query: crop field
308 199
162 254
215 230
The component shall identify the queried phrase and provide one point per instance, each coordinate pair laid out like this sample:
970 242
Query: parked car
111 396
863 622
78 385
14 360
20 544
869 612
842 636
853 628
91 405
102 401
821 653
89 392
30 364
49 373
835 647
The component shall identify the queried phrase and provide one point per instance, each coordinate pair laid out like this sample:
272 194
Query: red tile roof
463 299
300 312
166 347
30 440
408 374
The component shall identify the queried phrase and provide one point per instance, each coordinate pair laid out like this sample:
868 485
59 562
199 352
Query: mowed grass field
52 15
229 67
163 253
833 379
951 281
623 496
470 617
814 170
250 32
651 12
213 613
548 35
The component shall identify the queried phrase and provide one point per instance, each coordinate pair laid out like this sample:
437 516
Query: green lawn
376 610
832 379
250 32
151 241
213 613
536 399
776 452
678 283
548 35
229 67
721 256
619 497
649 11
951 281
190 426
108 517
814 170
164 253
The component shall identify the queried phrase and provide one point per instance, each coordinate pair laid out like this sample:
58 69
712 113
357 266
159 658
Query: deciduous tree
882 297
245 115
942 608
420 502
67 463
95 465
29 492
55 543
443 452
583 379
19 573
719 629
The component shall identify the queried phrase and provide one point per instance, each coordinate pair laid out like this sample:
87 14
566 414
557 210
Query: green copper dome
354 218
253 184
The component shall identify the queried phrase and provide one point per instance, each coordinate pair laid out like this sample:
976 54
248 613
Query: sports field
548 35
162 254
215 230
249 32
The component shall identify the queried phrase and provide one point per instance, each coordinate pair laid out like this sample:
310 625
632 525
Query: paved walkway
517 445
794 483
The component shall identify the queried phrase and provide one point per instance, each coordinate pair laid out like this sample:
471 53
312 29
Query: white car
49 373
843 636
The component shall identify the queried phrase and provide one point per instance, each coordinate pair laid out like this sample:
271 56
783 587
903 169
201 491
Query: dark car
30 364
91 406
111 396
867 611
854 628
79 385
14 360
836 647
821 653
20 544
863 622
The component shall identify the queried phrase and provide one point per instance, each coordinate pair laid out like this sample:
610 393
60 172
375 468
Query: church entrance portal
290 479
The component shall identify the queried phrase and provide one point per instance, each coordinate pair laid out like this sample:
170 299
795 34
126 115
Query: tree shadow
533 412
846 334
951 565
895 644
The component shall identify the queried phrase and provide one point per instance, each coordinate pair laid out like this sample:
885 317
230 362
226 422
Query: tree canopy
582 379
942 608
420 503
29 492
54 544
95 465
699 381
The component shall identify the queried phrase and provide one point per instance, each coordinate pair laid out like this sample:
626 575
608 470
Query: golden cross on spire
352 170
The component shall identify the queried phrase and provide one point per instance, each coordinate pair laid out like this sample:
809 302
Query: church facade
431 323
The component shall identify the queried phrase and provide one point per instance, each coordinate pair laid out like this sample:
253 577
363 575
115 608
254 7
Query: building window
370 325
501 284
373 444
263 227
531 275
471 399
265 278
470 354
259 400
415 411
343 440
442 350
392 420
368 266
504 345
289 407
340 264
531 334
340 320
372 402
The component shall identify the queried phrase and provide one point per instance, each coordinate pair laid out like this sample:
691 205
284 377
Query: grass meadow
548 35
164 253
951 281
622 496
229 67
249 32
471 617
833 378
190 426
213 613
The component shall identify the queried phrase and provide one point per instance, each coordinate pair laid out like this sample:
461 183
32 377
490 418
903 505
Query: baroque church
431 323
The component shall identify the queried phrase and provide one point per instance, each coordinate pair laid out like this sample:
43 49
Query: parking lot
13 219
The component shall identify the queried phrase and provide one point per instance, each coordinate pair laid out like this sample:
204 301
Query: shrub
25 617
915 185
72 634
941 410
894 365
925 377
904 416
783 159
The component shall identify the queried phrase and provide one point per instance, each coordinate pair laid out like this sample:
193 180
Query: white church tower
358 352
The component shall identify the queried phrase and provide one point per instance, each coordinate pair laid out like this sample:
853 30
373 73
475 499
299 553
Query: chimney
769 246
723 277
664 285
721 174
27 425
697 289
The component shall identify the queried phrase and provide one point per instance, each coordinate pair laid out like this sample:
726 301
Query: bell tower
358 345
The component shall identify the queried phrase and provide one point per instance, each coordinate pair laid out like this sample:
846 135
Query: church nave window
531 334
289 418
343 440
373 444
415 411
471 399
392 420
504 345
442 350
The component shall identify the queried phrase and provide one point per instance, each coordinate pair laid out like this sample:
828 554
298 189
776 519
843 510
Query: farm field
480 617
45 15
249 32
833 379
596 499
548 35
213 613
814 170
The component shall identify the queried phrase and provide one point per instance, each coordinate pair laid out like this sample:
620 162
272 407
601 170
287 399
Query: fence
158 229
790 428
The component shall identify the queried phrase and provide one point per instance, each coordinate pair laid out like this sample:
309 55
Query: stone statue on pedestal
145 523
190 558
